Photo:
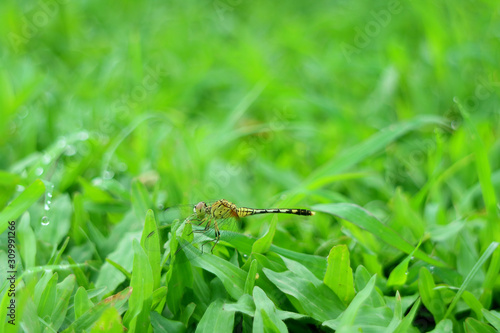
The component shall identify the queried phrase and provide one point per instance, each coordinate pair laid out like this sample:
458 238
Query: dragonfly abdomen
242 212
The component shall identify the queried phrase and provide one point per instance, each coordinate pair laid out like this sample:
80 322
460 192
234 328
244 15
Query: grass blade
471 275
20 204
365 220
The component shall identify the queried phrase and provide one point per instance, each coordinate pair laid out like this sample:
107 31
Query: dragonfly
211 216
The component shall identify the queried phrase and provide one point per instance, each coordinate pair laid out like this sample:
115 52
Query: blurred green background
387 105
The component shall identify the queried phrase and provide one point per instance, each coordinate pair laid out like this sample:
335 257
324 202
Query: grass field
382 118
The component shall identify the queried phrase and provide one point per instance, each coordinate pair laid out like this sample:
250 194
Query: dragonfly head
199 209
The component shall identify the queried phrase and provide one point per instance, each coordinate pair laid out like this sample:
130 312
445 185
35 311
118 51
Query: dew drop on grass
48 201
19 188
61 143
70 150
108 174
46 159
83 135
38 171
45 220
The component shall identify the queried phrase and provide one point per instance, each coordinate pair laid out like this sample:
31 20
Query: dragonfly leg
217 235
202 230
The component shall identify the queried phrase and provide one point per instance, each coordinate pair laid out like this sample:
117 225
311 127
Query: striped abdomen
244 211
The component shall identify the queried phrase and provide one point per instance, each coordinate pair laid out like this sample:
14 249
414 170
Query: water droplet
108 174
23 113
455 124
45 220
412 258
48 196
62 142
39 171
83 135
70 150
122 167
283 197
406 273
46 159
12 127
19 188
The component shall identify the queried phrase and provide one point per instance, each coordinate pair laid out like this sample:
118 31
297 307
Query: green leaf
361 279
27 241
81 278
263 244
346 321
360 152
250 281
140 199
56 259
216 319
8 182
151 244
475 326
266 318
48 299
90 317
20 204
318 301
493 317
79 220
141 283
365 220
110 321
430 297
179 276
491 277
473 303
162 324
483 169
315 264
339 275
399 274
405 324
244 305
64 291
444 326
487 253
82 302
397 314
231 276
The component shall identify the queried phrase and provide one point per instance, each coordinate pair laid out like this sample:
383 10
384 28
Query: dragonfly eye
199 209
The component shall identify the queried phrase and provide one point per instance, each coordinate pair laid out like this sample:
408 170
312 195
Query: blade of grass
360 152
339 275
20 204
470 276
216 319
365 220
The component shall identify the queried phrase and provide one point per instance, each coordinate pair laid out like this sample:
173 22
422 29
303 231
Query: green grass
384 120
